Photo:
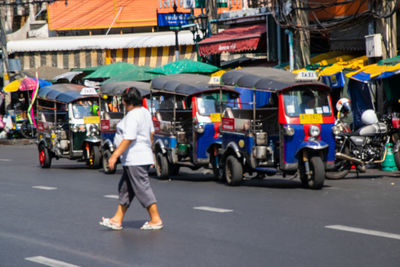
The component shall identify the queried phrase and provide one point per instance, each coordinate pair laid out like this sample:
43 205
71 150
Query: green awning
107 71
184 66
136 74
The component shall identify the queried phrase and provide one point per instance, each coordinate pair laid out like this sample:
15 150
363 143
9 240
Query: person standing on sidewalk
133 140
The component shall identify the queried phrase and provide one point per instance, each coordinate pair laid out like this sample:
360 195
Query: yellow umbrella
12 87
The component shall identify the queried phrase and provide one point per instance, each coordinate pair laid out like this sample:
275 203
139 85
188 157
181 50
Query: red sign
228 124
157 125
105 125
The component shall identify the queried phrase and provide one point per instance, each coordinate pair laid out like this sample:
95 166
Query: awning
136 40
374 71
236 39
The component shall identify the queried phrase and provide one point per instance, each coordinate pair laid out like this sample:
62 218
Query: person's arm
118 152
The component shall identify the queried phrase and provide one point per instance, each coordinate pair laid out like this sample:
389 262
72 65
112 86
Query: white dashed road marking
212 209
50 262
44 187
111 196
363 231
6 160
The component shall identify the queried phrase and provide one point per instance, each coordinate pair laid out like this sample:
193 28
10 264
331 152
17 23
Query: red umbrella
27 84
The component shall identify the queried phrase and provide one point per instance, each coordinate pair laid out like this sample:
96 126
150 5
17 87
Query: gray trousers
135 182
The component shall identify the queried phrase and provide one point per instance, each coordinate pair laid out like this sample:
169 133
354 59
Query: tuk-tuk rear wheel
233 171
106 157
162 166
317 168
44 157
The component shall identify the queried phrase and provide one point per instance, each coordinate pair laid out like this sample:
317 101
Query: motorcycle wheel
106 157
27 131
342 168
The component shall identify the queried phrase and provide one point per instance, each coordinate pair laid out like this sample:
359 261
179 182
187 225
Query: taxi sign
310 118
91 119
306 76
215 117
88 91
215 80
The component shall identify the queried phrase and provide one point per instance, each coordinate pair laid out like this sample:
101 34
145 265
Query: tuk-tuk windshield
298 102
83 109
208 104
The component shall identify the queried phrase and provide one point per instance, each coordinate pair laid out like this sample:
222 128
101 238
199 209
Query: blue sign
172 19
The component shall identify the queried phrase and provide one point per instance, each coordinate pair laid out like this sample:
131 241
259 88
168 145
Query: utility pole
301 35
387 27
211 11
3 43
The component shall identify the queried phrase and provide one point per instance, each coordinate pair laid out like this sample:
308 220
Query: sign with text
172 19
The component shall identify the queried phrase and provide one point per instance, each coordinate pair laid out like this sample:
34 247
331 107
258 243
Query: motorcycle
365 146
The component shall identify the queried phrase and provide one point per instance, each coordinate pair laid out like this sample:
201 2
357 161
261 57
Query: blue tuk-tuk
112 111
187 121
284 124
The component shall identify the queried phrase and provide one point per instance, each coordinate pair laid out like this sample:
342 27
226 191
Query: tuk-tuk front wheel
94 158
106 168
44 157
316 177
233 171
162 165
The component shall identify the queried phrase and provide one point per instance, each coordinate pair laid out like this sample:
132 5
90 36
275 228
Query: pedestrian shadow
136 224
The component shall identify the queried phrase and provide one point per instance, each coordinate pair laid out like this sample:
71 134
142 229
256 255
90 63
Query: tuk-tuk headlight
336 130
314 131
288 130
93 130
75 128
261 138
199 128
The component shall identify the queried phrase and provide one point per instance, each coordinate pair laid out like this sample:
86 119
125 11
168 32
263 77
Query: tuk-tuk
288 127
112 111
68 124
187 121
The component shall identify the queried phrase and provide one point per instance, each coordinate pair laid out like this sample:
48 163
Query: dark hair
132 96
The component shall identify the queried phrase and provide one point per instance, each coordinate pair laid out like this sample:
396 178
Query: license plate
91 119
215 117
310 118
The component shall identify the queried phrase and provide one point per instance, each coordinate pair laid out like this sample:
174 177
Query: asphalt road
52 215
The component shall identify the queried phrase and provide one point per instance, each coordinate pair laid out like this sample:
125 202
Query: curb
17 141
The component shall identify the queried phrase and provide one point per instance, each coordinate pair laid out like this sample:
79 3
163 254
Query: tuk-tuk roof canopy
264 79
181 84
63 92
185 84
117 88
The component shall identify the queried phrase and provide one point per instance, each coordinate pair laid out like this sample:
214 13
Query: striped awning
139 40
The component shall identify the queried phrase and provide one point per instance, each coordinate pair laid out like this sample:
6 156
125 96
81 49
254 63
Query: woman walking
133 140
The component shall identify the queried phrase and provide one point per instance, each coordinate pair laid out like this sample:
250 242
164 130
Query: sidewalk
19 141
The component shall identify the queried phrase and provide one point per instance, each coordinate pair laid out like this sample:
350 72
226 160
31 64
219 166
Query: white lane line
363 231
44 187
212 209
111 196
6 160
50 262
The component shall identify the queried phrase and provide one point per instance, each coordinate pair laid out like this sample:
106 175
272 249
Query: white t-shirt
137 125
